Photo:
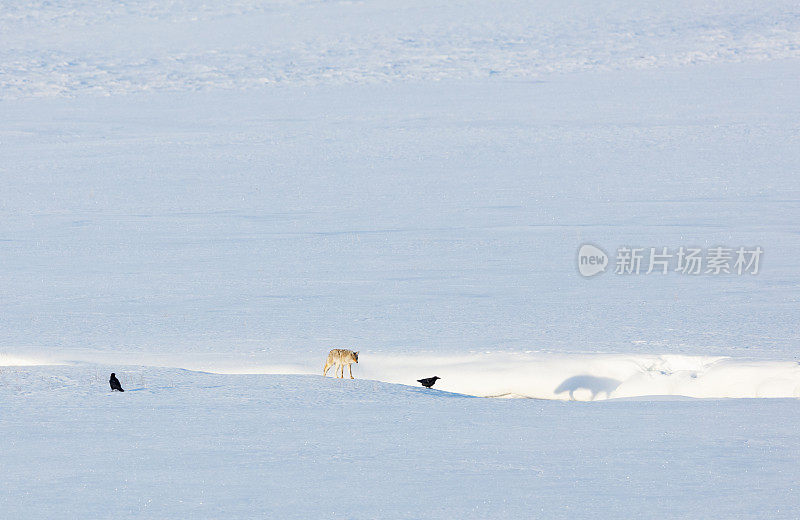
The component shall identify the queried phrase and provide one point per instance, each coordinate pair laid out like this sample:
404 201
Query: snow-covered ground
237 186
181 444
424 218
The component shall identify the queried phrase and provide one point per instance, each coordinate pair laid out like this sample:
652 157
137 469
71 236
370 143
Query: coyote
340 357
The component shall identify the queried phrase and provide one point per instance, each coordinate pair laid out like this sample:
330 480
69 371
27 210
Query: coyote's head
355 356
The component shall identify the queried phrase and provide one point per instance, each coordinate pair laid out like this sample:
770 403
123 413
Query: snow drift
589 377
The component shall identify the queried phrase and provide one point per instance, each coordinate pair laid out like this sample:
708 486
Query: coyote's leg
325 370
350 366
338 368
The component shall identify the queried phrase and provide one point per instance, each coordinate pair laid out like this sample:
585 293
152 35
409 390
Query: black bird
428 381
114 382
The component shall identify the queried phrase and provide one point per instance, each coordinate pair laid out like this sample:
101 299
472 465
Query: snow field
205 197
189 444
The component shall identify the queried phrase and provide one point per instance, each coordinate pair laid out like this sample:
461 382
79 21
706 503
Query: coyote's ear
356 352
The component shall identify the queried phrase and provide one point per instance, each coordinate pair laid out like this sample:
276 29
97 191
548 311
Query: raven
114 382
429 381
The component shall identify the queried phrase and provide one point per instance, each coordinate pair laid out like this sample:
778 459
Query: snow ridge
572 377
594 377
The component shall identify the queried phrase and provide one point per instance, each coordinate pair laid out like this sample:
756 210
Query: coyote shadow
596 385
